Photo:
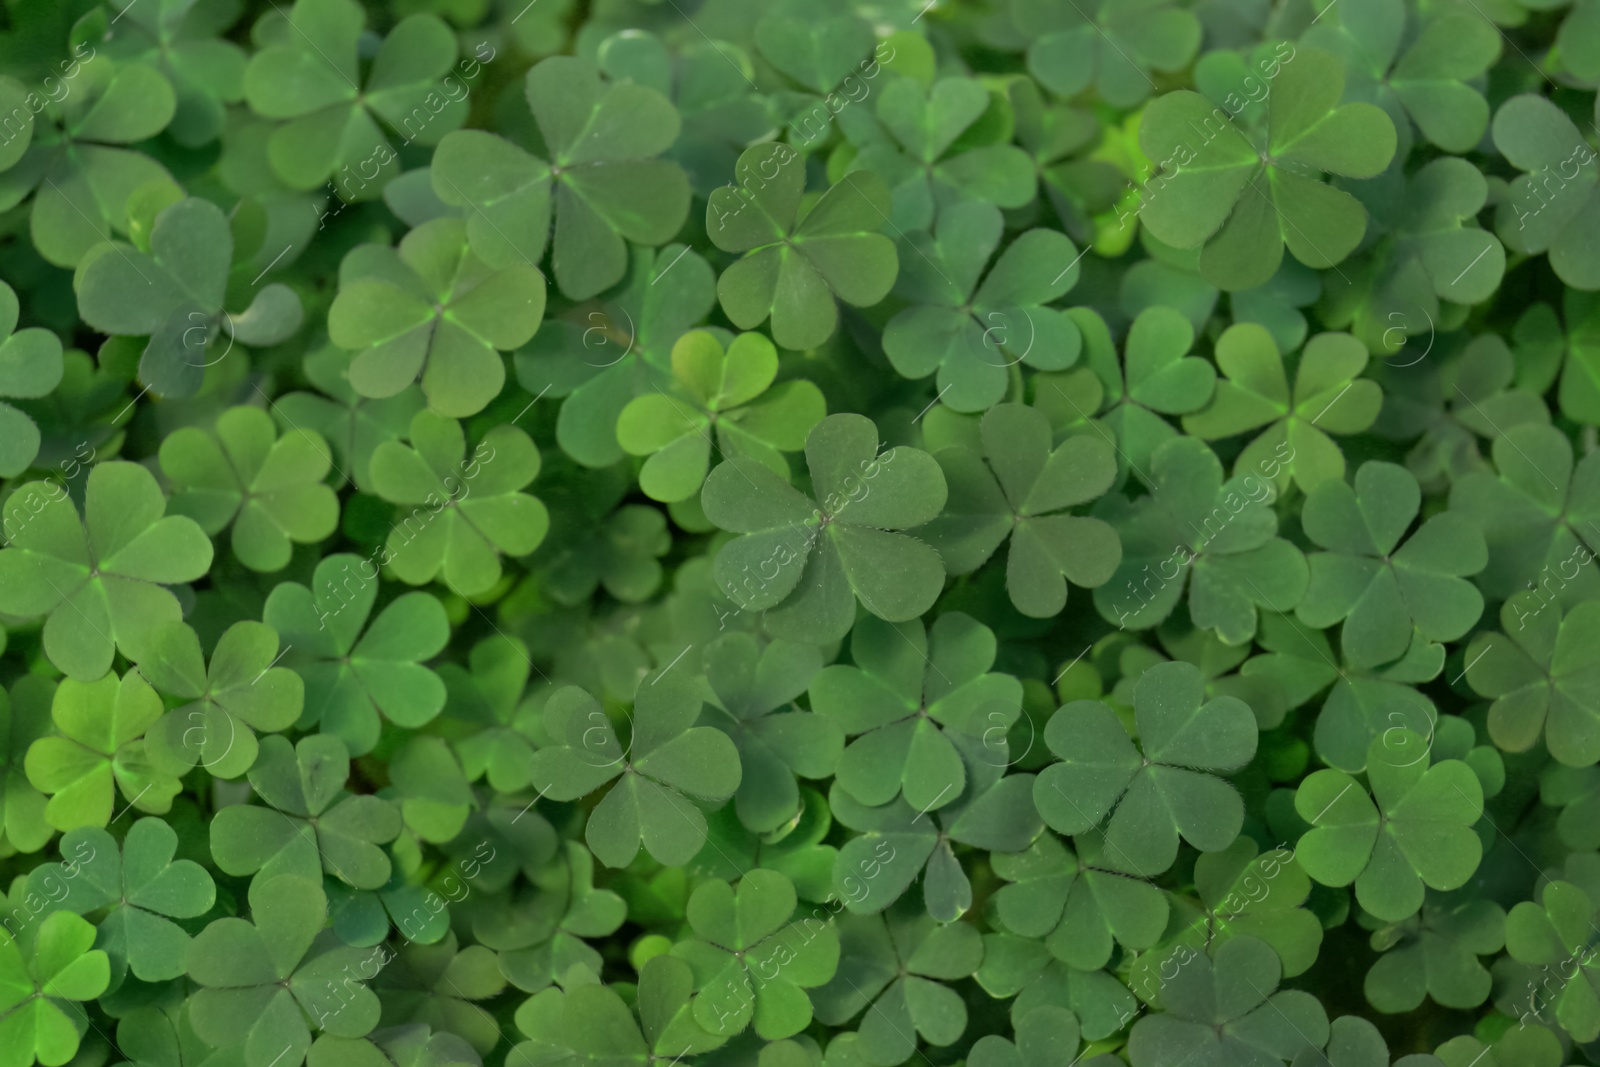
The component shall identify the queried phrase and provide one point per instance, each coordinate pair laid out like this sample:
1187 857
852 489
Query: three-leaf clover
1382 593
973 333
796 264
100 749
1435 954
311 78
1159 791
30 366
144 887
464 514
823 556
100 580
752 690
1155 377
265 982
355 673
312 824
1554 206
1220 1010
44 973
727 392
1112 45
1329 396
604 179
1244 201
1556 932
667 760
1541 677
909 691
271 489
1414 829
1019 488
751 963
241 691
433 308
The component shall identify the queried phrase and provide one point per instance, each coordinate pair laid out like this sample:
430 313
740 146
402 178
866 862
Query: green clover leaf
206 72
751 964
1193 521
435 798
1020 489
352 677
892 972
1156 795
30 366
172 287
1113 46
44 976
1535 215
461 534
1385 594
668 759
310 78
433 308
796 265
1043 1036
620 552
607 186
270 488
493 740
1435 954
973 334
1541 678
1244 200
1155 377
144 887
242 691
753 689
100 580
844 550
353 424
312 825
1556 934
727 392
265 983
436 985
1221 1011
910 692
100 750
24 718
1254 392
1419 831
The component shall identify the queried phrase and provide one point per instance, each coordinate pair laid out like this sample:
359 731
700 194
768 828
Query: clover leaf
895 966
1020 489
143 886
316 825
1255 392
223 704
100 580
1540 677
667 760
265 983
1435 954
311 79
934 150
206 71
99 751
729 393
1155 796
973 333
751 964
80 175
847 548
1113 46
24 718
1385 594
909 691
1243 200
1221 1011
433 308
352 677
1080 908
1537 137
1556 933
30 366
44 975
620 552
607 185
1417 832
172 287
796 265
352 424
753 689
1221 533
1244 891
1155 377
487 701
460 535
270 488
1042 1035
436 985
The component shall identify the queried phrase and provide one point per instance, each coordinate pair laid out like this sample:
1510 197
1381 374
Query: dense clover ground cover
799 533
